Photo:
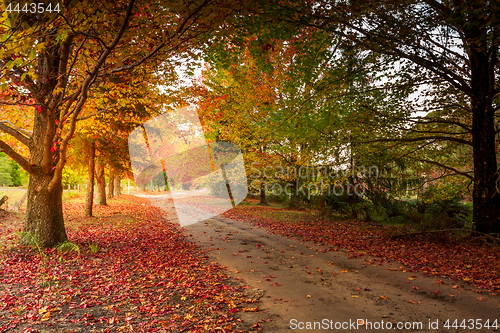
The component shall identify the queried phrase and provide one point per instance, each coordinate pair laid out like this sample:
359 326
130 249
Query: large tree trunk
486 199
118 188
44 222
101 182
89 195
111 185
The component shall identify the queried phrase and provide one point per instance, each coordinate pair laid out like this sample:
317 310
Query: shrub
377 214
218 189
345 209
360 211
397 220
448 214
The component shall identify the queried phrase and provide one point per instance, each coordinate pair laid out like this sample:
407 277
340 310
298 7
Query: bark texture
263 200
117 186
89 194
44 222
101 182
111 186
486 198
294 191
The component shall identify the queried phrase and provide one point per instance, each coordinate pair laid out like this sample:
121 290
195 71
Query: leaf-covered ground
131 272
477 263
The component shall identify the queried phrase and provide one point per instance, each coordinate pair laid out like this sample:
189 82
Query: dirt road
301 285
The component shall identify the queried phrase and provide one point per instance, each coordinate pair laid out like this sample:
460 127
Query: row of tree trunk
96 170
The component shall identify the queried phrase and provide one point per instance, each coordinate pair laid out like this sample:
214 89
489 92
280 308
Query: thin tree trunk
117 186
263 200
101 183
295 198
111 185
89 194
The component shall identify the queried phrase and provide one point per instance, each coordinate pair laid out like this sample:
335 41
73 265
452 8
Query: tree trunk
101 182
295 198
486 198
117 186
89 195
44 222
111 185
263 200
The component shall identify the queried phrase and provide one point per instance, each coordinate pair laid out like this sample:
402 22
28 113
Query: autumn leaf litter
134 273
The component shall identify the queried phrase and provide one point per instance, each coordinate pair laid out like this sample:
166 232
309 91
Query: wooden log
3 200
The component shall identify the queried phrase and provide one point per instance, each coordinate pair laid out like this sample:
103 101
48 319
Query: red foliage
140 275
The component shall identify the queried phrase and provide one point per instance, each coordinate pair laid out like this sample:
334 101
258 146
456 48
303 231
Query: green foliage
5 170
345 76
15 174
94 248
447 214
337 204
360 211
72 176
377 214
218 189
68 246
30 241
345 209
397 220
69 195
444 214
443 192
10 172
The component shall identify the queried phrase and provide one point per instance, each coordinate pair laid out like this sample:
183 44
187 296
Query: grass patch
255 202
275 211
68 195
67 246
14 194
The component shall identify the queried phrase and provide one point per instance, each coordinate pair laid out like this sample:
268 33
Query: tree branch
21 135
462 141
393 49
412 151
17 103
442 121
159 47
421 120
434 132
443 166
83 97
54 102
21 160
97 113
